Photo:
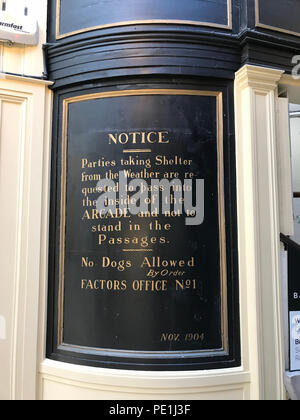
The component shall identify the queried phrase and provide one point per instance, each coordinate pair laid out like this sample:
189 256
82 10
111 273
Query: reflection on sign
149 282
75 16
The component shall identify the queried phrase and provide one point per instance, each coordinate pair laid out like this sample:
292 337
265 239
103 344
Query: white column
25 110
259 232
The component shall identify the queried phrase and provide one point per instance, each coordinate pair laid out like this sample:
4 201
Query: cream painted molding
289 80
259 232
25 110
31 80
255 77
66 381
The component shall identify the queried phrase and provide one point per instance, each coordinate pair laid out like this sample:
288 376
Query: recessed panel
77 16
278 15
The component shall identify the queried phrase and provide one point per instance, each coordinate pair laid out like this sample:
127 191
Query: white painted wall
25 107
259 230
25 60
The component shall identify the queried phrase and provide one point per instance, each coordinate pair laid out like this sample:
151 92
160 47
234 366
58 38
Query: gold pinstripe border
221 202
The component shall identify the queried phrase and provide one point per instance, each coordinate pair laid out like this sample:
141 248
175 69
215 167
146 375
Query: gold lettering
113 139
135 137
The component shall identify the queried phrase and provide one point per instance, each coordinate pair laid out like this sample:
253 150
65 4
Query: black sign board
76 16
293 252
142 286
294 283
278 15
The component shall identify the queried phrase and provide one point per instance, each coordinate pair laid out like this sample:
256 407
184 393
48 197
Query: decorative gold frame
143 22
221 193
258 24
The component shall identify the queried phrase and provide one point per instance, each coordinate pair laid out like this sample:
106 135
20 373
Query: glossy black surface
78 15
293 276
168 49
121 313
103 323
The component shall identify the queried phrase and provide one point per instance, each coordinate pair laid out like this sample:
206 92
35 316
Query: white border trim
259 232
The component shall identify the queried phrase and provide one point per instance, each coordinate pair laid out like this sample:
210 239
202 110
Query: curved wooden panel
78 16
